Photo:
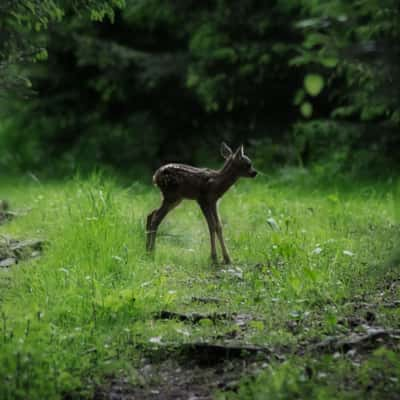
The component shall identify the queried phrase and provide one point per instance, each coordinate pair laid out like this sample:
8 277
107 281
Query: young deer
206 186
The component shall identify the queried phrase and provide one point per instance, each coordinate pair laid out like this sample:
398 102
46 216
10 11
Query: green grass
326 378
85 308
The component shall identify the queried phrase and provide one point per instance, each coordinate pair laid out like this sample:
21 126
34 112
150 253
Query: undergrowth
85 308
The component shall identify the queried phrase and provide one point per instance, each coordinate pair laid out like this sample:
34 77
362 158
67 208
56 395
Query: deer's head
238 161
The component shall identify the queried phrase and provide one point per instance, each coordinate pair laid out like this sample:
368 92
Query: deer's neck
225 178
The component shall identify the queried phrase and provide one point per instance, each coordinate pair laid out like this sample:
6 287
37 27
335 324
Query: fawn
206 186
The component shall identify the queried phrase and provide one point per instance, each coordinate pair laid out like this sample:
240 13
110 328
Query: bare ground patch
197 370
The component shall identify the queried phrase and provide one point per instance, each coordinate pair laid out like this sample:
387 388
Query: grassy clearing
85 309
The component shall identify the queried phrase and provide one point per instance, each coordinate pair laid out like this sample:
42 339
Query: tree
351 53
21 19
309 80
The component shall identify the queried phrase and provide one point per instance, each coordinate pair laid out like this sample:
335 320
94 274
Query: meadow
313 267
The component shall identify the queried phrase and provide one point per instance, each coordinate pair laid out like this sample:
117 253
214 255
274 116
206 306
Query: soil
195 371
182 377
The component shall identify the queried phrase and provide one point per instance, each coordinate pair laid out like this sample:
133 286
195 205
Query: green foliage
85 309
354 46
325 379
21 21
160 80
313 84
332 147
306 109
104 80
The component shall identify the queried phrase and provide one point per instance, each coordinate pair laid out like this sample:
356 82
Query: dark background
300 83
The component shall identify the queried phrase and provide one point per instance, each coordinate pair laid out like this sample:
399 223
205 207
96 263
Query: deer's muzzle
253 173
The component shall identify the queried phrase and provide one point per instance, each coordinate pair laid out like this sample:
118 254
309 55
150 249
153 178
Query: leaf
313 84
27 82
265 59
329 62
299 97
192 80
42 55
306 109
308 23
314 39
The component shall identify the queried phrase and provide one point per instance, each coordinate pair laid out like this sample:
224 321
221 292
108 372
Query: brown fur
178 181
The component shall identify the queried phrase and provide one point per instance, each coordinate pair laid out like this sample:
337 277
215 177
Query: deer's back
180 180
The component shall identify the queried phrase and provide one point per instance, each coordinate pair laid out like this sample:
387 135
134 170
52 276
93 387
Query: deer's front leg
225 253
207 212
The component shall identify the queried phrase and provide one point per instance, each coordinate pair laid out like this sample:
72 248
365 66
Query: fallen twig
373 338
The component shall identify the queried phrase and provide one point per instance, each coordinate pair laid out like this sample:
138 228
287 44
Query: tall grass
85 307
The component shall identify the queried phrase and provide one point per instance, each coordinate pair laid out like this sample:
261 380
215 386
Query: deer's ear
226 151
239 153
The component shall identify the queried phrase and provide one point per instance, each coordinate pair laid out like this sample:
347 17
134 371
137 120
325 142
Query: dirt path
196 371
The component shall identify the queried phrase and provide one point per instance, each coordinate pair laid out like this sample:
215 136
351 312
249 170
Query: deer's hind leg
220 235
148 229
155 218
148 221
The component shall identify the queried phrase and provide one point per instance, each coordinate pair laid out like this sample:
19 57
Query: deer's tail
158 178
155 179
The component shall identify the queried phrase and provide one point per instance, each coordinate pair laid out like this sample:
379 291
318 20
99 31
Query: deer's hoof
214 260
227 261
149 248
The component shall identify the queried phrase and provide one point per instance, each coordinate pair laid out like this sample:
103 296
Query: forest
96 95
